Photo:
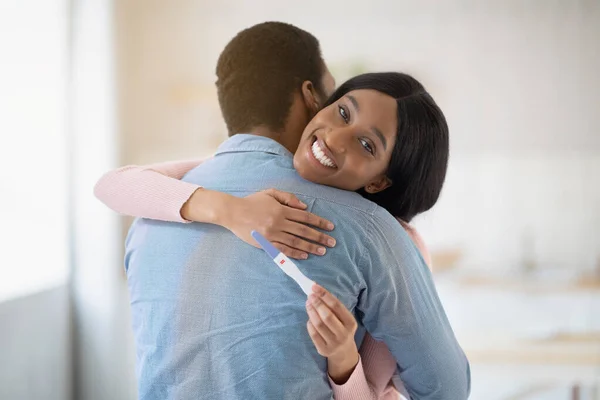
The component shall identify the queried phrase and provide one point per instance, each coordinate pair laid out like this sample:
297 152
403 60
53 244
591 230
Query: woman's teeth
320 155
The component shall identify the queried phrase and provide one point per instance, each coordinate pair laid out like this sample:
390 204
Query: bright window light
33 149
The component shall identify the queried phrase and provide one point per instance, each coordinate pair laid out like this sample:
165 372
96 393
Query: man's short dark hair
259 71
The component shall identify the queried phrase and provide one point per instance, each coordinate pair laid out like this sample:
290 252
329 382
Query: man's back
214 318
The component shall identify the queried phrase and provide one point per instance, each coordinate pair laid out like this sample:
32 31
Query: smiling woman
382 135
348 149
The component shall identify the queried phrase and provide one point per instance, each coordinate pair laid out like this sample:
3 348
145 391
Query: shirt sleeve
153 191
400 306
355 388
371 378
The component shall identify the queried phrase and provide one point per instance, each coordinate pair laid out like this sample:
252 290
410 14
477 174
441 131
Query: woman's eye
367 146
344 113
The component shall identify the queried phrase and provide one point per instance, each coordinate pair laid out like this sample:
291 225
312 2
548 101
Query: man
213 318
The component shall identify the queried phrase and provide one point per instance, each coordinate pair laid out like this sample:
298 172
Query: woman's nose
337 140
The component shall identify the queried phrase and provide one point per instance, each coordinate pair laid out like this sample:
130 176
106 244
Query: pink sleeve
152 191
371 379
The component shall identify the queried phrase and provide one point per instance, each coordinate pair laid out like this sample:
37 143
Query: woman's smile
322 155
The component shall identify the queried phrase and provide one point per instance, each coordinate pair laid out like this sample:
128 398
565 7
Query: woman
381 135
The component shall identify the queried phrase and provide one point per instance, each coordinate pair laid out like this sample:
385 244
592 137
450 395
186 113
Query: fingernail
304 256
331 242
302 203
330 226
321 250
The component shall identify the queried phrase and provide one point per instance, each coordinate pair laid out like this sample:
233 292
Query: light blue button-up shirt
214 318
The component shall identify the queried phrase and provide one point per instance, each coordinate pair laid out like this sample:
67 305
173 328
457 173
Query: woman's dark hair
420 156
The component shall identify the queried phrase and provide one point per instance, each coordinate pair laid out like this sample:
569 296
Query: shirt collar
243 142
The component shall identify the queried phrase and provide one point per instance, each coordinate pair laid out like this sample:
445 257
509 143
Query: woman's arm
156 192
153 191
372 376
352 375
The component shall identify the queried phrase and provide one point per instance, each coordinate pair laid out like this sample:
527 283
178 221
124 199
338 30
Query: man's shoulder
351 204
359 215
386 230
332 198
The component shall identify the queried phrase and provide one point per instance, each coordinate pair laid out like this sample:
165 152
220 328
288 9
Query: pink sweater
156 192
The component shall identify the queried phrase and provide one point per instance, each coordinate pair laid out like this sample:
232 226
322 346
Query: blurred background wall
515 235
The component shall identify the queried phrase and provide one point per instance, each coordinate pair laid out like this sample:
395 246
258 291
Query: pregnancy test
284 263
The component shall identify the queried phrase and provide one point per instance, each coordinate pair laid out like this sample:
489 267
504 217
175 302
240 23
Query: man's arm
400 306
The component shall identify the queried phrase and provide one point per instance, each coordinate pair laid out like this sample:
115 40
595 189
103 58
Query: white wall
35 347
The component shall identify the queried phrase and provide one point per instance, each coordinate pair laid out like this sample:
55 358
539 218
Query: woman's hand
332 327
279 216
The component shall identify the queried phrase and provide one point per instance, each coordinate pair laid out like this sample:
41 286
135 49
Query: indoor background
89 85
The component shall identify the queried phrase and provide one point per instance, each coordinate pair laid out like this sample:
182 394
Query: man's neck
279 137
266 132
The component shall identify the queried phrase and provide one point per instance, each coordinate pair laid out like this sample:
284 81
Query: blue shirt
214 318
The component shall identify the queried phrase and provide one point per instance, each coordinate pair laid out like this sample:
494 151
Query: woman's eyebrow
353 101
380 136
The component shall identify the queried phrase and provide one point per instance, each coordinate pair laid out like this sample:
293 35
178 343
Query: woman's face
348 145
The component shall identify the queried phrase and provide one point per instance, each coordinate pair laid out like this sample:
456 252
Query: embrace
333 178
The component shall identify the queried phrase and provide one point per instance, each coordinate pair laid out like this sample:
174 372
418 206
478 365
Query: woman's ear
378 185
309 95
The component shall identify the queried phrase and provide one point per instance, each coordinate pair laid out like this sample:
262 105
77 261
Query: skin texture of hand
279 216
332 327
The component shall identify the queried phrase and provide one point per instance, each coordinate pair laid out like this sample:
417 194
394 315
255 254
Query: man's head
271 80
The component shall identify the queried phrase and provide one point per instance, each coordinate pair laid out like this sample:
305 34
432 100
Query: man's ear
378 185
311 100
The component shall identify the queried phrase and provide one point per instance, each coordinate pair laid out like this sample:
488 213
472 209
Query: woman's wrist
208 206
341 366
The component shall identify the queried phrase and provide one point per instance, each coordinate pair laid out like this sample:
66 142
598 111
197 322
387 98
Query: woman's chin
299 166
306 171
308 174
304 167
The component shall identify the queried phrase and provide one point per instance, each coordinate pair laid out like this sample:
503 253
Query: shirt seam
253 149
